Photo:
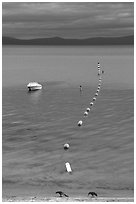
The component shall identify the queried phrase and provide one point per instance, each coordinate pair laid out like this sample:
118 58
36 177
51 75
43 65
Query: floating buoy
91 104
99 73
94 99
97 90
66 146
96 94
85 113
80 123
98 65
100 80
98 87
88 109
68 167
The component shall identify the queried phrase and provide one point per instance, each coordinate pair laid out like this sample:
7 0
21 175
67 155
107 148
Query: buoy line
86 113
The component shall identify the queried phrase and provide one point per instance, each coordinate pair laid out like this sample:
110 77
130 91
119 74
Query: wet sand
28 193
61 199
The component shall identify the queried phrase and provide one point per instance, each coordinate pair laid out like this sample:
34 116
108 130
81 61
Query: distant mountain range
126 40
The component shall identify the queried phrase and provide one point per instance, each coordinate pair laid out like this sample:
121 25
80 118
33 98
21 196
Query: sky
26 20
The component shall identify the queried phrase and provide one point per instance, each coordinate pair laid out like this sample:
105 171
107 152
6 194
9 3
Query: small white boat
33 86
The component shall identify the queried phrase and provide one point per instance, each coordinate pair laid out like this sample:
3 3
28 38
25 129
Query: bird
93 194
61 194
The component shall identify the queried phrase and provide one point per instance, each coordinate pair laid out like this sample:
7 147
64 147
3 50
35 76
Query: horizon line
122 36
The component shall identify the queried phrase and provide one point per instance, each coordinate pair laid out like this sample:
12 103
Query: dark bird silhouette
93 194
61 194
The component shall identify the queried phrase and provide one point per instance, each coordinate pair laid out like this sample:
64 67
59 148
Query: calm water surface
37 124
70 64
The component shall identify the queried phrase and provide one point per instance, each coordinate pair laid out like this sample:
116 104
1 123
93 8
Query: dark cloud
67 19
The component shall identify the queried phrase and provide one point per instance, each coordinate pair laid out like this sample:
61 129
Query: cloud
67 19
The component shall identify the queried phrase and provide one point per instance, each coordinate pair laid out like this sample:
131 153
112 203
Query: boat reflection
34 96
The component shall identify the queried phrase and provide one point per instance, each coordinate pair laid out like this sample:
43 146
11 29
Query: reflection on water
34 96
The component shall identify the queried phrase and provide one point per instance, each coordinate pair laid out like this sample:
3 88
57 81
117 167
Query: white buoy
68 167
100 80
80 123
91 104
98 87
88 110
66 146
96 94
94 99
85 113
98 90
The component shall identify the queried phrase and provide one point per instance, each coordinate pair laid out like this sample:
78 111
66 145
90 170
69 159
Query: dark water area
36 125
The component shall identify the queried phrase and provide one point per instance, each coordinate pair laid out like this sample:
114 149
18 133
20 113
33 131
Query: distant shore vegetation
125 40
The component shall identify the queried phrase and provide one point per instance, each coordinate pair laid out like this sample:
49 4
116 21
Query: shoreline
70 199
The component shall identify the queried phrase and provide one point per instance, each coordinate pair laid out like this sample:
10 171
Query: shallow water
36 125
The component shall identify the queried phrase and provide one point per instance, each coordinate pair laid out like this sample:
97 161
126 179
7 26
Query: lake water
36 125
70 64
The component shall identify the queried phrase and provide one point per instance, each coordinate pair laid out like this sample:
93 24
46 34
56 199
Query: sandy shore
17 193
62 199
